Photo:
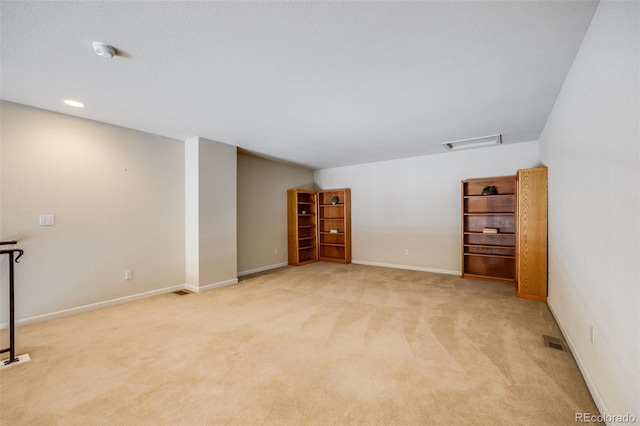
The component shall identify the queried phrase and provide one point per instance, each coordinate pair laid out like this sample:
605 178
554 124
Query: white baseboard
262 269
93 306
210 286
593 389
411 268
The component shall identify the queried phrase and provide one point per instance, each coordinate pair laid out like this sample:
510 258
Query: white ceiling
320 84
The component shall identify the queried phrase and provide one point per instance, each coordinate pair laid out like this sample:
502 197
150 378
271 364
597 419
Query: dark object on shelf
489 190
334 200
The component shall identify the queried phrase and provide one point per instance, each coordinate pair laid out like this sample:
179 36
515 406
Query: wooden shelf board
332 218
490 278
489 196
482 233
502 256
490 214
332 259
307 247
332 244
489 246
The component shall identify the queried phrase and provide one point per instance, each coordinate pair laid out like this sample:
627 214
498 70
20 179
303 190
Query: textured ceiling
320 84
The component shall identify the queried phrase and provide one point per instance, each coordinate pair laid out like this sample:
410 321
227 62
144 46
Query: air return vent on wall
474 142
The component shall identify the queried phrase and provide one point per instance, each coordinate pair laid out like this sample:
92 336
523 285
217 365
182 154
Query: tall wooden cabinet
302 229
531 235
334 225
319 226
504 231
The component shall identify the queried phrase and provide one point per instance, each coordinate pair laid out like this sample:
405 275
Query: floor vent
182 292
555 343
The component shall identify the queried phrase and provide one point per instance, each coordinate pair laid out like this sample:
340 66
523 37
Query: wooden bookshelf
319 228
490 256
334 225
517 253
302 226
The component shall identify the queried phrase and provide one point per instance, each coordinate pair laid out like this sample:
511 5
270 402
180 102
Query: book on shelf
333 231
489 230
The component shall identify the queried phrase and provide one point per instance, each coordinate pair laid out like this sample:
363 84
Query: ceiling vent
474 142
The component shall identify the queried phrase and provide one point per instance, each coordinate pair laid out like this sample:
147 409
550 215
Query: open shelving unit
301 215
490 256
319 226
334 225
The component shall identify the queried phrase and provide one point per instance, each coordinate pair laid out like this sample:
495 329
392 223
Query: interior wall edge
262 269
593 389
93 306
408 267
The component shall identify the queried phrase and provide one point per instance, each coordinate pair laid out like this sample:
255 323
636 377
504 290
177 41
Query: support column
210 214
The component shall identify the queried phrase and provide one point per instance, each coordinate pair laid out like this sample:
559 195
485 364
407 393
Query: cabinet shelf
488 246
489 196
490 214
482 233
504 256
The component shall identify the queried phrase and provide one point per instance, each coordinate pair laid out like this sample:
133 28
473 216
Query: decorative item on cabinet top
489 190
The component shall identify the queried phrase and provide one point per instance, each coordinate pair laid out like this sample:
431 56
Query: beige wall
210 214
218 231
262 210
591 144
118 200
414 203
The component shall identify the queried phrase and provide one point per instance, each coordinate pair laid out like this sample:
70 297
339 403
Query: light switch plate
47 220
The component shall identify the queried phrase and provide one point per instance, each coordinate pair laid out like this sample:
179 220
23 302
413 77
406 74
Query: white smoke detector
103 50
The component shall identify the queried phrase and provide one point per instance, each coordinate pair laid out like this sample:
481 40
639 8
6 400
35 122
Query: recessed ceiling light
474 142
74 103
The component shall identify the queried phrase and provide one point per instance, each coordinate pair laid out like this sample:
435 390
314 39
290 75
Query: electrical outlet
47 220
275 251
128 275
406 252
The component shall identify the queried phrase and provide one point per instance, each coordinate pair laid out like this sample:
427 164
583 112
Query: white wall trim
210 286
262 269
597 398
411 268
92 306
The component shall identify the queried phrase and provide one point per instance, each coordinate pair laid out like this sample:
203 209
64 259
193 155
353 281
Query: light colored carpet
321 344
